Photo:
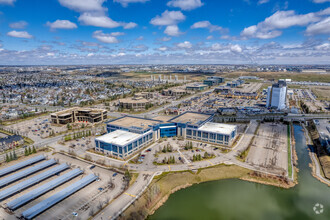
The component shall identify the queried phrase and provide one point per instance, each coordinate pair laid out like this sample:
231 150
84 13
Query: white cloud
260 2
236 48
321 1
105 38
286 19
322 27
140 38
208 25
172 30
19 34
165 39
18 25
325 46
61 24
209 37
280 20
324 12
129 25
201 24
163 49
185 45
125 3
7 2
216 47
83 5
168 18
98 20
116 34
185 4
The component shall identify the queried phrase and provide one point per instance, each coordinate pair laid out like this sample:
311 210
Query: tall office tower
276 95
176 77
160 78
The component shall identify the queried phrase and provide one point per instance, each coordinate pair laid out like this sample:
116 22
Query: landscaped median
164 185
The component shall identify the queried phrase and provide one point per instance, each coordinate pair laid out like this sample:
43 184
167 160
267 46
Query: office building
128 134
276 95
78 114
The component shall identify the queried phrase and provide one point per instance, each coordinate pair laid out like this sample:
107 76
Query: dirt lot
269 148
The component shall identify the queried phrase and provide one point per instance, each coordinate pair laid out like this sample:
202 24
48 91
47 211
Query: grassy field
322 93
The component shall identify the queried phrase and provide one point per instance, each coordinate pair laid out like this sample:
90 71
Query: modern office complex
213 80
276 95
128 134
77 114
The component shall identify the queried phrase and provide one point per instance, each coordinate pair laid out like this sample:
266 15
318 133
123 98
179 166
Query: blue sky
164 31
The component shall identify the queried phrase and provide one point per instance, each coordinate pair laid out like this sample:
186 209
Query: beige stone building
78 114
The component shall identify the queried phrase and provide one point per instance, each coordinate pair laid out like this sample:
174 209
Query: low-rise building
129 134
78 114
213 80
196 87
174 92
135 103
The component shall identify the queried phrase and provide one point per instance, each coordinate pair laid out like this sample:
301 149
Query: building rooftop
129 121
118 137
218 128
192 117
69 111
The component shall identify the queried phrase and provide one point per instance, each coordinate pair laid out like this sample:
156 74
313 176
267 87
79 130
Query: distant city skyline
68 32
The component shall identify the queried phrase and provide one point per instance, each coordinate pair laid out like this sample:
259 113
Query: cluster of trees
149 105
168 148
28 151
76 135
197 157
188 146
11 156
170 160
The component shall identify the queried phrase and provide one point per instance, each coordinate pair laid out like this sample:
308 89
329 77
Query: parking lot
269 148
83 203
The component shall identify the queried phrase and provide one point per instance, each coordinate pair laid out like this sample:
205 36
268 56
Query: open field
322 93
284 75
269 148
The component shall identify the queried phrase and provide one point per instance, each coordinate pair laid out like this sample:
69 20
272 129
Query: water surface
237 199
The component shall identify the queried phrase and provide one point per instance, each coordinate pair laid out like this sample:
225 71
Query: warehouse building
78 114
129 134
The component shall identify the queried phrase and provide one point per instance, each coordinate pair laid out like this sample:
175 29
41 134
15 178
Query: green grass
289 152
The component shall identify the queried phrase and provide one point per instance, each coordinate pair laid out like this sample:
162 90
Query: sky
64 32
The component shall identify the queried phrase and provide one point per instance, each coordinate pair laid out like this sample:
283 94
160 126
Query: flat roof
118 137
129 121
192 117
218 128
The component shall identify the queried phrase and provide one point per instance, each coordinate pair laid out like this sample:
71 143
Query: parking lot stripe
130 195
210 162
169 168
